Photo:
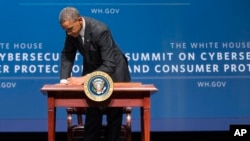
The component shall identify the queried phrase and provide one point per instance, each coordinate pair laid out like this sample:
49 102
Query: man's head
71 21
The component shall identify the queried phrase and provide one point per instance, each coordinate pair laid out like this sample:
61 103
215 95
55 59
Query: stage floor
155 136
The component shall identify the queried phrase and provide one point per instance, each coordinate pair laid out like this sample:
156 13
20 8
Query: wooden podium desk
124 95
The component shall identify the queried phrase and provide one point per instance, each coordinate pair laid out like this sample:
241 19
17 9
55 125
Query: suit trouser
93 123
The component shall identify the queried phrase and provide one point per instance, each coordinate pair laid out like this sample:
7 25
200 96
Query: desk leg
145 120
51 118
145 124
142 125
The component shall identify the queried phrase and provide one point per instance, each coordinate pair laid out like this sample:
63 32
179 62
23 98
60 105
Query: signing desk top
127 86
124 94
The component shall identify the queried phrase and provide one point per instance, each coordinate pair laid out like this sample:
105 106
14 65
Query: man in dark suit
93 40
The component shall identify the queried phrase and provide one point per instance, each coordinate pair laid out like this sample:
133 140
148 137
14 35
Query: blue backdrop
195 52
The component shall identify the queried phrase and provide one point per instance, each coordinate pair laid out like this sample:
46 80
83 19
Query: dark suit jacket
99 52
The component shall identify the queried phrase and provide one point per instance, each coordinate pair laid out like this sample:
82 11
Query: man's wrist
63 81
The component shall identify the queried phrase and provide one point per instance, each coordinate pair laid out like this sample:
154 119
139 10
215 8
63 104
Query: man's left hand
76 80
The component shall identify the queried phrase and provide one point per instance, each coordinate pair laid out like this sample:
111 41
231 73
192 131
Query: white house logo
98 86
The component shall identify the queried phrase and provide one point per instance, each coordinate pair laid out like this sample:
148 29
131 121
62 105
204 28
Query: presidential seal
98 86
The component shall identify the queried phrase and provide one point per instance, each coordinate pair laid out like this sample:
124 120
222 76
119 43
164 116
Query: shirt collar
83 28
